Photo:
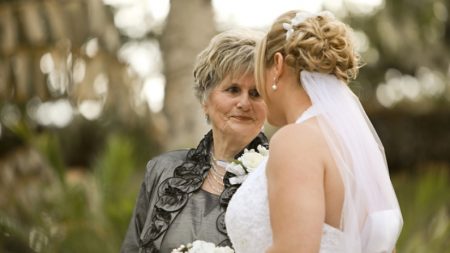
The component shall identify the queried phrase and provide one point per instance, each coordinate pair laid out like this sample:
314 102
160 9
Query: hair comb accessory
299 18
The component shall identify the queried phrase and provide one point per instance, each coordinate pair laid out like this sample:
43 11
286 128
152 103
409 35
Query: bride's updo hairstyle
320 43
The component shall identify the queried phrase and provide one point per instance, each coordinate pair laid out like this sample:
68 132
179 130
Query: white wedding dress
248 222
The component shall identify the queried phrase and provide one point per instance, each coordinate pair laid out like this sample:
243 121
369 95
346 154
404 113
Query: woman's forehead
240 78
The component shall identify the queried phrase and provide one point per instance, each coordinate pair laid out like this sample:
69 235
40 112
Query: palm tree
189 27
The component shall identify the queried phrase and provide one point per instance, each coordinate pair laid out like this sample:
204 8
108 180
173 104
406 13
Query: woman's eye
233 89
254 93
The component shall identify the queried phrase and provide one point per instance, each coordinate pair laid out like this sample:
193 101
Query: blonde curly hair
318 44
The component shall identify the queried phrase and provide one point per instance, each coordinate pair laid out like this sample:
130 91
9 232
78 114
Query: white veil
371 220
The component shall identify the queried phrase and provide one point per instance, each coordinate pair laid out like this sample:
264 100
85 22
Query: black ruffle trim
174 192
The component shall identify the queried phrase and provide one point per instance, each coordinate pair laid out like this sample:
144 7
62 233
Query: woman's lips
243 118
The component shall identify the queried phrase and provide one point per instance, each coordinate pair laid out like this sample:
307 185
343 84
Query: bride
325 186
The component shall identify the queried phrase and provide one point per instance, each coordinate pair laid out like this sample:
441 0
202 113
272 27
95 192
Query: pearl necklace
216 176
216 190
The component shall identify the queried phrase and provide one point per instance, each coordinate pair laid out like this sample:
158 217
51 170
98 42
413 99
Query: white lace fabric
247 218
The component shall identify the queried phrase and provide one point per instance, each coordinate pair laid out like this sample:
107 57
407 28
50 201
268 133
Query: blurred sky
260 13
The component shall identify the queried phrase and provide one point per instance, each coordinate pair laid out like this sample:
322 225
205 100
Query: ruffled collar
174 192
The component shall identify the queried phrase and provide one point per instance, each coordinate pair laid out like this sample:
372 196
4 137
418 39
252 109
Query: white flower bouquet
245 164
199 246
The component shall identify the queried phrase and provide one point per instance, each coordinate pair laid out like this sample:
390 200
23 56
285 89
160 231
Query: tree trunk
190 25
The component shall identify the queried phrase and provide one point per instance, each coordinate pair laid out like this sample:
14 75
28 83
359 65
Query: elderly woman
185 193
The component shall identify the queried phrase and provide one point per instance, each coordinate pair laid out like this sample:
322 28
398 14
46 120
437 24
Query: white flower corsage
199 246
245 164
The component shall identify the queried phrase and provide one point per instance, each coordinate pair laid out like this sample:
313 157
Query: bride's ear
278 60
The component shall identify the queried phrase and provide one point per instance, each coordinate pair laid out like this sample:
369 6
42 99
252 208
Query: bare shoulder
296 137
297 149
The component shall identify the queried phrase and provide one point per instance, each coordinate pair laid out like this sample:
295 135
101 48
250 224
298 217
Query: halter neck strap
307 114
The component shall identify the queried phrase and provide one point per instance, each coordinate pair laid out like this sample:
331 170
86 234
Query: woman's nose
244 102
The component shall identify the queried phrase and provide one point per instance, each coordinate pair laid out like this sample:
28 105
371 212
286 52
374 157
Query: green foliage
12 237
113 174
85 212
48 145
98 209
425 202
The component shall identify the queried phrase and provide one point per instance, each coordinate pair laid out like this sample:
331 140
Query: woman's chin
246 130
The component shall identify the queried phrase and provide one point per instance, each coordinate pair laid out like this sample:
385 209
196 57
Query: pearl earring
274 85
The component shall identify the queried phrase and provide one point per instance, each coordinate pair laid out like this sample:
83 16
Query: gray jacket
157 170
169 182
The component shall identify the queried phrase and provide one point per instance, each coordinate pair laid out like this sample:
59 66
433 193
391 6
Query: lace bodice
248 223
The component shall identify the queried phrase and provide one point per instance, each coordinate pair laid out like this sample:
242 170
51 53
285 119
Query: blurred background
92 89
